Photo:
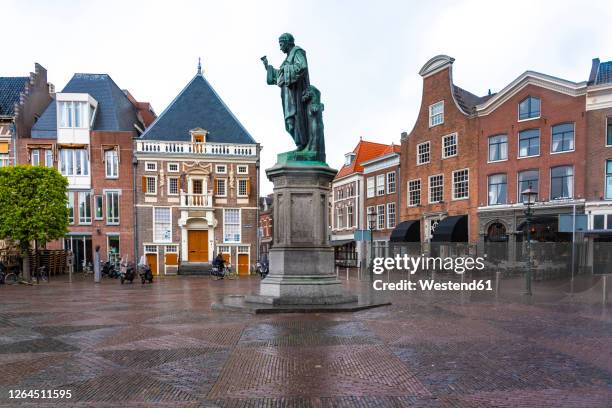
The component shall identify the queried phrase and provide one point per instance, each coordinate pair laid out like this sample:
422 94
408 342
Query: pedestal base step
239 303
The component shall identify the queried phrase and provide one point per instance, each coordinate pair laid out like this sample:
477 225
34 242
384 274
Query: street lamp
529 198
371 223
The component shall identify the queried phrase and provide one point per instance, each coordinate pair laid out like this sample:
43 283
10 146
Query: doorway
197 245
80 245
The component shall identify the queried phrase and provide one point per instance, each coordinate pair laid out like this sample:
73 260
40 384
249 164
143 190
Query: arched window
497 232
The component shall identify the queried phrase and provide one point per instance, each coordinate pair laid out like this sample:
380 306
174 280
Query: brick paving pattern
161 345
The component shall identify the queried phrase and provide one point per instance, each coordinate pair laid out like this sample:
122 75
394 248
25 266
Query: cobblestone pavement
161 345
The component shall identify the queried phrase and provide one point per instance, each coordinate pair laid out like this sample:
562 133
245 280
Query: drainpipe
135 209
14 141
258 238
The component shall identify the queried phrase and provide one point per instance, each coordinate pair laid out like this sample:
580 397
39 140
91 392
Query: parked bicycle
42 274
262 268
13 276
221 273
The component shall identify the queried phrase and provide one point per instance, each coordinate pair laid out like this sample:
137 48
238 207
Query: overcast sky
364 56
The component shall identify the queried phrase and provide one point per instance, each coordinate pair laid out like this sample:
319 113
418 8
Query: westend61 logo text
410 264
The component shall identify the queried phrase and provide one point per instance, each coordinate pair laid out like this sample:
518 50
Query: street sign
362 235
566 221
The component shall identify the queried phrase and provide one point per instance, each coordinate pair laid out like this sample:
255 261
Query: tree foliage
32 204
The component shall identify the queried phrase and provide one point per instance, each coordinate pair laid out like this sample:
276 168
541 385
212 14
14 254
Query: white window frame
456 137
70 206
409 191
418 155
573 135
441 185
149 193
431 115
453 187
155 237
369 210
177 186
518 143
380 185
83 160
224 180
35 157
394 212
518 109
114 163
242 166
550 197
390 175
221 166
95 207
83 221
48 153
371 187
380 217
173 164
109 220
246 191
150 166
225 241
489 148
349 216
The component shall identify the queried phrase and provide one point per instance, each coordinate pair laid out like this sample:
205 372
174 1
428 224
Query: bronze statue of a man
292 78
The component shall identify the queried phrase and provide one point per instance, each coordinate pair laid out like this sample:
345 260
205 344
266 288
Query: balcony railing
196 200
221 149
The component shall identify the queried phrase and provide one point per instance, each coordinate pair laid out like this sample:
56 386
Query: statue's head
286 42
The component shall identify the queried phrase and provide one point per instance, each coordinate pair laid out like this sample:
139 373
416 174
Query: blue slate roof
604 73
198 106
115 111
10 89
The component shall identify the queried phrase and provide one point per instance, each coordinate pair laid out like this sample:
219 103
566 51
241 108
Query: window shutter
248 187
178 184
144 184
215 186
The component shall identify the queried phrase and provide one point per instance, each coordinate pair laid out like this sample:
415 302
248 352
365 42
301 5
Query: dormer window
198 135
75 114
349 158
529 108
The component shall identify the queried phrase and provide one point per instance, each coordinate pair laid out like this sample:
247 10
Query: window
243 187
449 146
371 187
498 148
370 210
529 143
220 184
173 188
349 158
562 138
73 114
162 224
436 188
561 182
390 182
340 217
609 132
461 184
423 153
70 206
349 216
150 185
171 249
112 207
48 157
221 169
498 187
173 167
380 217
35 157
98 213
390 215
436 114
414 192
529 108
380 184
74 162
151 166
243 169
112 163
609 180
231 225
84 207
528 179
113 247
598 222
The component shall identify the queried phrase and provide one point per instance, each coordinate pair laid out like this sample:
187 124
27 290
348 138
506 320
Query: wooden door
197 245
152 262
243 264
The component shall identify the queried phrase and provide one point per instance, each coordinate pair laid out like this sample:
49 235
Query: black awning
538 221
341 242
452 229
407 231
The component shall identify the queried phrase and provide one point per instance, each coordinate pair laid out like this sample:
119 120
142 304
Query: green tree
32 206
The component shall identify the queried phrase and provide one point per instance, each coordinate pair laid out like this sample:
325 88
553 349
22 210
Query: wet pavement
162 345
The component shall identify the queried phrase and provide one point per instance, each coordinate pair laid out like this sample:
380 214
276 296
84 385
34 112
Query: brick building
348 204
266 224
382 193
531 134
197 185
87 133
22 102
598 188
439 161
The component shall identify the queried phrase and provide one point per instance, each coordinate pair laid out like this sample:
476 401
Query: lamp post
529 198
371 223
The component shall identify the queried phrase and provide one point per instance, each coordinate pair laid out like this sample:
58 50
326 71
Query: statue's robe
292 78
316 141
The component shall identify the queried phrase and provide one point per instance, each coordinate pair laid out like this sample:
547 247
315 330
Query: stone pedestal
301 259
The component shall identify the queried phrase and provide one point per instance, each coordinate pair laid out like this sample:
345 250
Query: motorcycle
262 269
108 269
127 272
145 273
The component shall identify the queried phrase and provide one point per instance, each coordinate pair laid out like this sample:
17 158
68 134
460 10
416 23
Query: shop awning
407 231
538 221
341 242
452 229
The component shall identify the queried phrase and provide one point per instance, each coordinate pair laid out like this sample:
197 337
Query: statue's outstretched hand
264 59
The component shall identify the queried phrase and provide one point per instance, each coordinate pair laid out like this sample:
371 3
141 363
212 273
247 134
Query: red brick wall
437 87
555 108
597 153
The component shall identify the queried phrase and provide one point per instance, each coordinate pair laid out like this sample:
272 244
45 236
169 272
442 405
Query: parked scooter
145 273
127 271
108 270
